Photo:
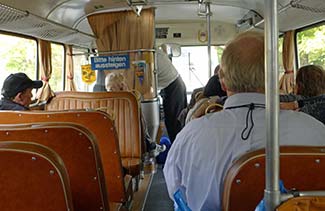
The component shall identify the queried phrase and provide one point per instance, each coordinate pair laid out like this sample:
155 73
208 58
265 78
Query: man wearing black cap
17 92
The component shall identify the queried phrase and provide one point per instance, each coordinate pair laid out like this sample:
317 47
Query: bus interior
72 45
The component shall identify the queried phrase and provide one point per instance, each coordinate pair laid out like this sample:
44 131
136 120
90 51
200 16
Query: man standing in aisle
173 93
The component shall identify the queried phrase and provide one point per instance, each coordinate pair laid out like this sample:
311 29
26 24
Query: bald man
204 150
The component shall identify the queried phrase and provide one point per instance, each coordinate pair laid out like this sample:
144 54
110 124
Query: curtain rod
114 52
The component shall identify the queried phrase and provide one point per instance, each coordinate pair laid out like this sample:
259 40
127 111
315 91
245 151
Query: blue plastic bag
261 205
161 158
180 201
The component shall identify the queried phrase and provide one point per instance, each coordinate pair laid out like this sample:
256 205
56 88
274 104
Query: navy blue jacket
314 106
6 104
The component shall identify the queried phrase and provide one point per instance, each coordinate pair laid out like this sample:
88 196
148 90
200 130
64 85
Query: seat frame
101 126
33 176
67 140
301 168
125 109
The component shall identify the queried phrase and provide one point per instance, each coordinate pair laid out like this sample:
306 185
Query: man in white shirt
204 150
173 92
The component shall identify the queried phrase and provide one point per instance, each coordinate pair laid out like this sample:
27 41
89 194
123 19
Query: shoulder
298 128
299 120
9 105
207 123
161 55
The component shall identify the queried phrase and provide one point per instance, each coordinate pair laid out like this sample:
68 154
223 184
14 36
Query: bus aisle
158 199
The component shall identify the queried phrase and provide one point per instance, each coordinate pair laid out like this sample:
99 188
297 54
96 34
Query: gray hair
242 63
115 82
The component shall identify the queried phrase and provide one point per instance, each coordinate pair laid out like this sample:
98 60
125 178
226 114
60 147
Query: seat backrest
124 105
301 168
100 125
79 152
33 178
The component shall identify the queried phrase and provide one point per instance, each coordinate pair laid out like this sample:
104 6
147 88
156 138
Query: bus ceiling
65 21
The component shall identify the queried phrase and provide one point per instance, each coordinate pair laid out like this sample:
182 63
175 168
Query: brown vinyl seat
301 168
102 128
126 109
79 152
303 203
33 178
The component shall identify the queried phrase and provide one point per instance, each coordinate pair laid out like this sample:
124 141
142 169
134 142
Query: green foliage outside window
311 46
56 81
17 55
280 59
219 52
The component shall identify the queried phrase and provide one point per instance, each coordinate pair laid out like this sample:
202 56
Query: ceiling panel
186 12
73 13
37 7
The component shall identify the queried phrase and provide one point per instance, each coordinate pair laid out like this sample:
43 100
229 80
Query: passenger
17 92
194 96
206 147
213 87
173 93
115 82
310 83
201 107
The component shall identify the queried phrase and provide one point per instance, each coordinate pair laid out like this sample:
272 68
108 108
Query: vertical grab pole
209 35
271 192
155 72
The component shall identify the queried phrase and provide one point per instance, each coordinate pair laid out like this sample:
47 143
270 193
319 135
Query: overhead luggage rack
14 20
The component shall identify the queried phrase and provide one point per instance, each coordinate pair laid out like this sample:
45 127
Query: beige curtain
45 66
127 31
287 80
70 84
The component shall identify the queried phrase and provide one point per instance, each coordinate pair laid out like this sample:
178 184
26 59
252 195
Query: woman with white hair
116 82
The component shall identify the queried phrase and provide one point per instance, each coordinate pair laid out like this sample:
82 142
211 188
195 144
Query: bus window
192 65
17 54
80 58
56 80
310 43
280 47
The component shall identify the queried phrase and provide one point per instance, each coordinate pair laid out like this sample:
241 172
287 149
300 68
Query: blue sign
110 62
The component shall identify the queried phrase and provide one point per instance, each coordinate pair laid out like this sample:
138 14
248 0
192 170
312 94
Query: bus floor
158 199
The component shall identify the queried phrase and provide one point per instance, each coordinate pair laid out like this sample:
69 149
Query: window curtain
45 67
127 31
70 84
287 80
